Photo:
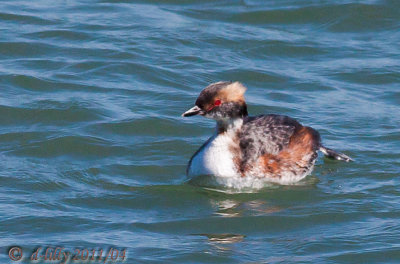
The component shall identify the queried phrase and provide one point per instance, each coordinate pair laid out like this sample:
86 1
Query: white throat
217 156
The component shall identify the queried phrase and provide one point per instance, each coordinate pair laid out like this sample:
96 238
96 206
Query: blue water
93 149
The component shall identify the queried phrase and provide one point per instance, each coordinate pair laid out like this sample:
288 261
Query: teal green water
93 149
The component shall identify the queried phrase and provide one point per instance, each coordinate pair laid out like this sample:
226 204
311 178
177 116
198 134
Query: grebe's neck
229 125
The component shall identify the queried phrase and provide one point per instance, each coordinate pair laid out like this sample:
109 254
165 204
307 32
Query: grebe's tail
330 153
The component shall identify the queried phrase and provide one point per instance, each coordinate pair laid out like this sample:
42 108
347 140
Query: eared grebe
272 148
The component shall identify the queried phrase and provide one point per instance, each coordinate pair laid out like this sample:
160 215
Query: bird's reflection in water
232 208
224 238
223 242
226 242
227 208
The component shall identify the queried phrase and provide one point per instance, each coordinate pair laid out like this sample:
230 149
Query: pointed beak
195 110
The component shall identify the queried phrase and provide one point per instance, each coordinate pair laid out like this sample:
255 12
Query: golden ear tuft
235 91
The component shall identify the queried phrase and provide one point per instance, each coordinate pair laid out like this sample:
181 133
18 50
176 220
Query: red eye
217 102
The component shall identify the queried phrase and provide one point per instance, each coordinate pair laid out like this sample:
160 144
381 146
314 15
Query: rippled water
93 148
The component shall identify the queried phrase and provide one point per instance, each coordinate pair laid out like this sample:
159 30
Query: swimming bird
272 148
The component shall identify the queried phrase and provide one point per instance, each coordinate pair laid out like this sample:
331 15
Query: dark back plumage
268 134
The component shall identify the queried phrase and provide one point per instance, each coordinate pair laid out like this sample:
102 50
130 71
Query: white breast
215 158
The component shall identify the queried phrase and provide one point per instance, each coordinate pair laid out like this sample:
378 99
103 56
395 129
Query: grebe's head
220 101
